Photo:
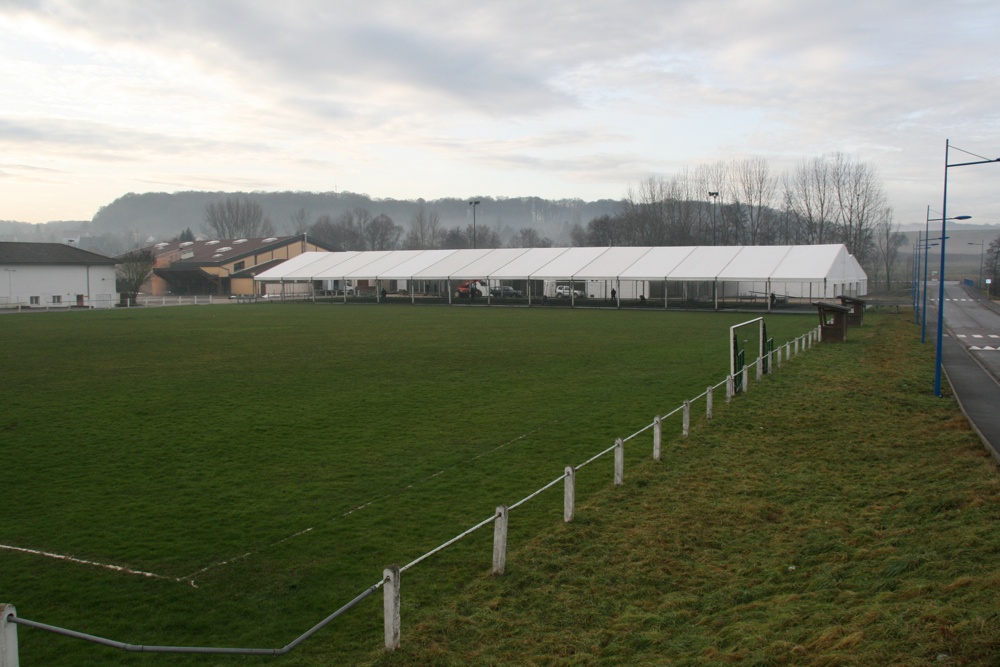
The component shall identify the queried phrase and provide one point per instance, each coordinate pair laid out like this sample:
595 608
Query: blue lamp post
944 223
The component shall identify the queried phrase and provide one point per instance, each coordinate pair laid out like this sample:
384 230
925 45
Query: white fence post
619 462
657 437
500 540
390 606
760 368
729 388
686 421
746 379
8 637
708 403
569 494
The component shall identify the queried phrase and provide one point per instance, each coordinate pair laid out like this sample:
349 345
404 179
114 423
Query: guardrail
391 576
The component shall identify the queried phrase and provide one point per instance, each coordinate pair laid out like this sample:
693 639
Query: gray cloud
627 87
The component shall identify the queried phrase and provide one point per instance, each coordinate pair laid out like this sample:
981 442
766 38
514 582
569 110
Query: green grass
838 514
266 462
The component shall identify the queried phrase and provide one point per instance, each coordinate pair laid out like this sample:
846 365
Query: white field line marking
80 561
451 467
190 578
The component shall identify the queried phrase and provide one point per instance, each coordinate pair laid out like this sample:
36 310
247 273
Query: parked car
566 291
506 291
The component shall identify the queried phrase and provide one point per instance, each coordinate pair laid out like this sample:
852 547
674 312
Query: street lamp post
923 310
715 199
474 204
944 224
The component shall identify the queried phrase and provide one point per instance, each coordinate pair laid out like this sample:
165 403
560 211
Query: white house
46 275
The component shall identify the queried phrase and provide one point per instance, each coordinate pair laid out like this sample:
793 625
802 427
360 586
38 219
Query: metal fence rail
390 579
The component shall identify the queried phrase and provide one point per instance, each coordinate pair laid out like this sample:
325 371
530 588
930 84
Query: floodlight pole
474 204
715 199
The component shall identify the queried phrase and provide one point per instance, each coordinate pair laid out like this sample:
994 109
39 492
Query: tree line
827 199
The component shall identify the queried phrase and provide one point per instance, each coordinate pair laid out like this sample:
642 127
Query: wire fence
390 581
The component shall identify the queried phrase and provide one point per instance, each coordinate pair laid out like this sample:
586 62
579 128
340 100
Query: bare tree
134 270
809 193
713 178
236 218
604 230
300 221
425 231
888 240
755 188
528 237
861 202
381 233
485 237
642 214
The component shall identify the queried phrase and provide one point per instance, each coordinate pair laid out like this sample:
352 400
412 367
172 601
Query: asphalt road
971 358
972 323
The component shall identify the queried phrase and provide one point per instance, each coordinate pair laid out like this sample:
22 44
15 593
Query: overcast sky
441 98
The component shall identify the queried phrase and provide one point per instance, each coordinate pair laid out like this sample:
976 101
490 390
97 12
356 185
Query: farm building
55 275
221 266
705 275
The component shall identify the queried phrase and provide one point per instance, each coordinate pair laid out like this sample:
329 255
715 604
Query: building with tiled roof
221 266
47 275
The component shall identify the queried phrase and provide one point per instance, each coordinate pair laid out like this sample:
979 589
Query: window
34 300
239 266
56 298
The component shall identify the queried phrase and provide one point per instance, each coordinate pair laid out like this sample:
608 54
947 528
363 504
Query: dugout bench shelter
856 317
832 322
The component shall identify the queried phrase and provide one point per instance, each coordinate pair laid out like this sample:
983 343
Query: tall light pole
944 224
982 256
715 199
474 204
923 310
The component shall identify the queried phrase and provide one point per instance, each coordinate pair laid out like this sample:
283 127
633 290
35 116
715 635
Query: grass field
839 514
262 464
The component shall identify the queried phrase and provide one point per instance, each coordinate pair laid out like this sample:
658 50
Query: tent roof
320 264
754 262
704 263
815 263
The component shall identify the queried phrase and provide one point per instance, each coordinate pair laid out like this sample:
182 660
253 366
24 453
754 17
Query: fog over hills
134 219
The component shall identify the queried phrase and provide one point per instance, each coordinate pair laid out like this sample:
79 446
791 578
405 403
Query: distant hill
163 215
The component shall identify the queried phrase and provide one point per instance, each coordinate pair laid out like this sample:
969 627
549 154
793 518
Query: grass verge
838 514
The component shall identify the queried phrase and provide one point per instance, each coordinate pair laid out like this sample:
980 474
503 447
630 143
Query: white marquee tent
701 273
